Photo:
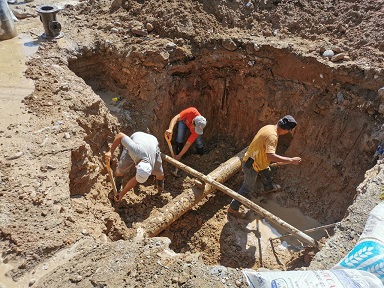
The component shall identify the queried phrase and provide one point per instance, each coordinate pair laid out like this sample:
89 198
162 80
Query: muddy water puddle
14 86
40 270
293 216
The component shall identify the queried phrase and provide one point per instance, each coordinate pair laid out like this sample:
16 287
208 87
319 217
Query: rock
336 49
114 30
252 47
328 53
339 98
249 5
218 270
381 93
75 278
381 109
338 57
103 238
275 32
170 45
341 28
229 44
139 31
15 156
154 59
116 4
149 27
31 282
267 33
21 13
64 86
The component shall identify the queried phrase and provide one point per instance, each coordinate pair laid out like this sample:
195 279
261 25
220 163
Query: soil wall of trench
336 107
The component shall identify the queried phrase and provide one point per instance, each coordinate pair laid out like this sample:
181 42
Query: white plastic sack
7 26
368 254
340 278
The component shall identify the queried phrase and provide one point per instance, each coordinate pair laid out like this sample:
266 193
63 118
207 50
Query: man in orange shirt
190 119
261 152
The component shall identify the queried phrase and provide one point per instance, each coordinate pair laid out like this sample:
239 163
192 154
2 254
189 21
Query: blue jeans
249 184
181 129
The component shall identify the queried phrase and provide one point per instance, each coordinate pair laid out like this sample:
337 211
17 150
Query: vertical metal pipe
52 27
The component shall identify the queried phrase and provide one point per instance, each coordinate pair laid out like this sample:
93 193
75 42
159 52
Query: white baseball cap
200 123
143 171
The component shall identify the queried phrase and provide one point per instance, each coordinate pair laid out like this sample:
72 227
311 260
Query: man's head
143 171
199 122
287 123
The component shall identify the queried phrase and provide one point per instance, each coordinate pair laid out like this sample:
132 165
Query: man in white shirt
141 150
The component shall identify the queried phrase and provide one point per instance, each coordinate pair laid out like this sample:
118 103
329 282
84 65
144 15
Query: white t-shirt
141 146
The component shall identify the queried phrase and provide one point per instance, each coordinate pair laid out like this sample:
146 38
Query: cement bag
340 278
7 26
368 254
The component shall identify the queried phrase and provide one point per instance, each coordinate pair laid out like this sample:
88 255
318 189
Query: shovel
168 139
108 164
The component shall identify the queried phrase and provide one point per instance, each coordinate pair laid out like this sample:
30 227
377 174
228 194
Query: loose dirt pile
243 64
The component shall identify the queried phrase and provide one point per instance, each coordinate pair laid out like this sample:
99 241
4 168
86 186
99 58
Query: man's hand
177 157
108 155
296 160
117 197
168 133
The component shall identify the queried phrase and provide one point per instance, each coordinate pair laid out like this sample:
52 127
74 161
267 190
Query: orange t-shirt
187 117
264 142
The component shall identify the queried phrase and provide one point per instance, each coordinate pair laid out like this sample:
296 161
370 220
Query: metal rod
307 230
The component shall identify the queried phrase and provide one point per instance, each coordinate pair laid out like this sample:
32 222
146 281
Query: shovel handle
168 138
108 164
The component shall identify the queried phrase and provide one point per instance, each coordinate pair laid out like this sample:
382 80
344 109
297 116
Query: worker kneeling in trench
141 150
191 119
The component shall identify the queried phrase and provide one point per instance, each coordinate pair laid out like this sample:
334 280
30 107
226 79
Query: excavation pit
238 93
250 62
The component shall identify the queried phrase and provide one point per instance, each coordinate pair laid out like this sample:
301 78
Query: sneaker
111 195
272 188
237 213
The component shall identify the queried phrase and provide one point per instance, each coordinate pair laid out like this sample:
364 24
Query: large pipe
185 201
165 216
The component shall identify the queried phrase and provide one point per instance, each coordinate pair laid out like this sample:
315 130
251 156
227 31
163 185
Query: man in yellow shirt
261 152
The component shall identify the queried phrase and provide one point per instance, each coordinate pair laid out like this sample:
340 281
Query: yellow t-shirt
264 142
